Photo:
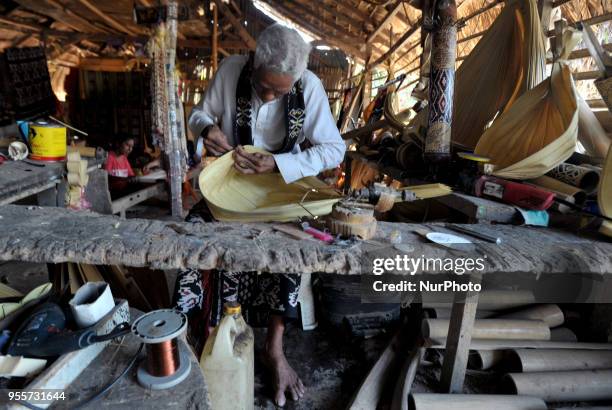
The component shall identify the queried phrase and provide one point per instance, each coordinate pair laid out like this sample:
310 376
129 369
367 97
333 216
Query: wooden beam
586 75
321 9
49 9
386 20
111 64
82 20
23 25
593 21
107 19
313 13
399 44
584 53
242 32
545 8
601 57
459 338
17 41
478 12
339 42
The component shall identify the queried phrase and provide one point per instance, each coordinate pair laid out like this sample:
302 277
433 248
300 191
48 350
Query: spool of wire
167 362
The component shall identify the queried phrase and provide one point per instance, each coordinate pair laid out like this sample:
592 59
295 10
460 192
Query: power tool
44 334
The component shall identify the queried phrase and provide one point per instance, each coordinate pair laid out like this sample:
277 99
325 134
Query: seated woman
121 177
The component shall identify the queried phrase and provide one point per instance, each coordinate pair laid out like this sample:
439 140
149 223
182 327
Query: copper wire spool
163 358
167 361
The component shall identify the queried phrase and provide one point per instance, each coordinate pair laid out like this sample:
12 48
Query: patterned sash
294 111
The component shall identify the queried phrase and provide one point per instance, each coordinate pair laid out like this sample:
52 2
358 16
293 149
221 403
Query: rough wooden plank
480 209
19 176
458 340
59 235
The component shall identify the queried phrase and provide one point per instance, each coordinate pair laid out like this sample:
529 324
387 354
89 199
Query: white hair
282 50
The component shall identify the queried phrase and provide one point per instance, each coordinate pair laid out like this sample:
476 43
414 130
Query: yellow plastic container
48 141
228 362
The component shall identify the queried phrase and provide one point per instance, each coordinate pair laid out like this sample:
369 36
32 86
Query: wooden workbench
38 234
20 179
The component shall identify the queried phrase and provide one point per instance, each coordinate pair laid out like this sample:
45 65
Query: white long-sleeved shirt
218 106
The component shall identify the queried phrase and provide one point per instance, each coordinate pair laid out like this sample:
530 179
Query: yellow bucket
47 141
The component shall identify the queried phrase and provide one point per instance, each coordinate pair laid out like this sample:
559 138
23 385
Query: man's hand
253 163
216 142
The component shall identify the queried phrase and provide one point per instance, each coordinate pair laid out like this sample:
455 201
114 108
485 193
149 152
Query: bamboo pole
587 385
550 314
552 360
485 359
428 401
563 334
486 344
491 329
488 299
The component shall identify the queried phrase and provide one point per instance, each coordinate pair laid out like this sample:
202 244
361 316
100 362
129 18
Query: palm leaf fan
541 129
232 196
604 196
507 61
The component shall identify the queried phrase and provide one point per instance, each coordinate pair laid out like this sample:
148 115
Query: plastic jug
228 362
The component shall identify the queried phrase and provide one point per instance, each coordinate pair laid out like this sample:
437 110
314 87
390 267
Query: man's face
270 85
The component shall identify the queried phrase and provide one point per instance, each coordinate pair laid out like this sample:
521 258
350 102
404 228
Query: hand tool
44 334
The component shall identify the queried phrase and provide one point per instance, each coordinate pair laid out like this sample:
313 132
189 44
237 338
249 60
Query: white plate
446 238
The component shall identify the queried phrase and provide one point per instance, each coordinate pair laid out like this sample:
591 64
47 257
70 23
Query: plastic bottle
228 362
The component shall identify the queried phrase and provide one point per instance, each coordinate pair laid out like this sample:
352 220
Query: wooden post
459 339
442 82
214 40
545 9
173 146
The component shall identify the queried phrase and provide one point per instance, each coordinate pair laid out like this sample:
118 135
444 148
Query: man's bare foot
286 380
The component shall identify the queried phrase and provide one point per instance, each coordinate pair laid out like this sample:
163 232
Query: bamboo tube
445 313
428 401
562 188
562 386
482 344
552 360
404 382
491 329
563 334
484 359
487 300
575 175
550 314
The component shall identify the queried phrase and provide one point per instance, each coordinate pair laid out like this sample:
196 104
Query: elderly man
272 101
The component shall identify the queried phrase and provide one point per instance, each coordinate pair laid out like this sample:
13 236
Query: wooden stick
215 39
